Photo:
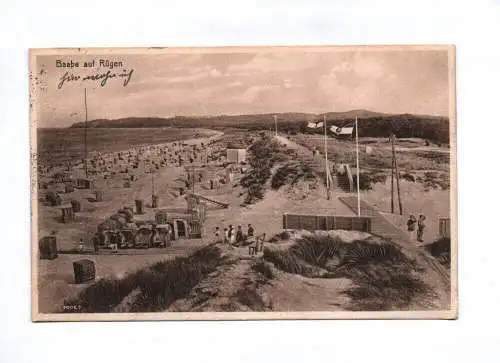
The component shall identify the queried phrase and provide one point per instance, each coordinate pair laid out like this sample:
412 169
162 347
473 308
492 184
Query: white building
236 155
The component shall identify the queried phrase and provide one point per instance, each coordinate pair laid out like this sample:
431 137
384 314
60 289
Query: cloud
263 81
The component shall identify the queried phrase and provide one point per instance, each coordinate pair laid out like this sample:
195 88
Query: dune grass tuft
383 277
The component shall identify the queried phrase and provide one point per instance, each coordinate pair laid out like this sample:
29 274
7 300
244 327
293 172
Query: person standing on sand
239 236
95 242
412 220
232 235
421 226
226 236
81 245
217 235
251 231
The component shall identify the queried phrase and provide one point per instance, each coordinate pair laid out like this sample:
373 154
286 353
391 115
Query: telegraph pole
276 124
327 174
357 168
152 183
395 163
85 131
392 183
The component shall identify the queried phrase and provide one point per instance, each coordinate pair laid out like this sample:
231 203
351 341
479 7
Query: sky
245 81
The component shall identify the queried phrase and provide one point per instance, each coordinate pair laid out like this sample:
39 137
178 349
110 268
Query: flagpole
326 162
85 141
357 168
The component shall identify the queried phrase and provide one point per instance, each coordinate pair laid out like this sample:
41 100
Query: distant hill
361 114
372 124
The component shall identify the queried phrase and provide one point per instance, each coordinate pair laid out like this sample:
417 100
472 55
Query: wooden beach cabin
236 155
84 271
85 183
183 225
67 213
47 247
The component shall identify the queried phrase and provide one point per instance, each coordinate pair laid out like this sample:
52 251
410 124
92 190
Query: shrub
362 252
264 269
264 153
282 236
435 180
317 249
396 292
104 294
287 261
366 180
251 299
441 249
285 235
290 174
255 192
409 177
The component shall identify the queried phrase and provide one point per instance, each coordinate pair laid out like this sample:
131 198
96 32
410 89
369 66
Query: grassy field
380 156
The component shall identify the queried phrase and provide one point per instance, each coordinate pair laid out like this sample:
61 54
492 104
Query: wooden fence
444 227
326 223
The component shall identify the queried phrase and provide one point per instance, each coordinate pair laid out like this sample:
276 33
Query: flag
342 130
315 125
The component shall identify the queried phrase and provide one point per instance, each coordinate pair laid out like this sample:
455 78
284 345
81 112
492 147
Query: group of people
420 224
234 236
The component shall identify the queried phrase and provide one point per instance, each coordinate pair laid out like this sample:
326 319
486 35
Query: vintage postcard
307 182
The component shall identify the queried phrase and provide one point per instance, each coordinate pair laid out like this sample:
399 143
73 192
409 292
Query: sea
59 145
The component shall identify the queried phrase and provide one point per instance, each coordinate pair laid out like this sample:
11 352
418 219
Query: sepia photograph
228 183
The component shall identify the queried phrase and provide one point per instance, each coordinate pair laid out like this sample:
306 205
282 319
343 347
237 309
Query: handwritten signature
103 77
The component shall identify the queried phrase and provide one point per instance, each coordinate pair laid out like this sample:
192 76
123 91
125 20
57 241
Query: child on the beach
217 235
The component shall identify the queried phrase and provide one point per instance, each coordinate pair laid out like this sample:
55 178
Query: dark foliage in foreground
383 277
441 250
159 284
